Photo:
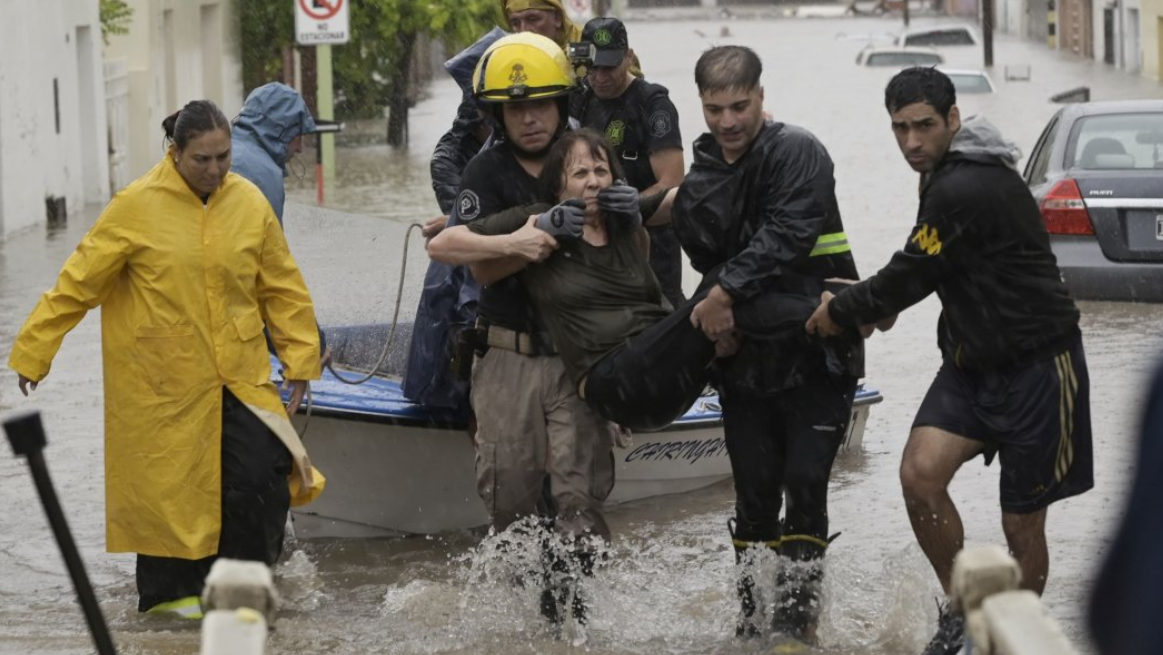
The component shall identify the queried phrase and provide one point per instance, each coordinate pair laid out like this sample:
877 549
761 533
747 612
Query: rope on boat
387 344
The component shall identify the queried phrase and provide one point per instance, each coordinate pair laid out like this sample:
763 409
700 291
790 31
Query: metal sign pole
26 435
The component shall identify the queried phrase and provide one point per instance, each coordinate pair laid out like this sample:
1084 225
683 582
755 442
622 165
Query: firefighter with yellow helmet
532 427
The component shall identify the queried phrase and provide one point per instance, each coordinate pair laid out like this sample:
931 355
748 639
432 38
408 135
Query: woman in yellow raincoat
188 262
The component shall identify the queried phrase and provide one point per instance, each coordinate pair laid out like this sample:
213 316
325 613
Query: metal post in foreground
26 435
322 127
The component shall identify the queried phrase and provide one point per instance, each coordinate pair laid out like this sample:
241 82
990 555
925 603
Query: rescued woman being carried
636 359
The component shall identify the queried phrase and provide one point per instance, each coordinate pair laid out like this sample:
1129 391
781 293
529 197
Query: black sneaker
950 635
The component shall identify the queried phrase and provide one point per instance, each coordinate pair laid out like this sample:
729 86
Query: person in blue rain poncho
448 301
267 134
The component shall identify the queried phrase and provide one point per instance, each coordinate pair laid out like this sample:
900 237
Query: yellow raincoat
569 32
185 290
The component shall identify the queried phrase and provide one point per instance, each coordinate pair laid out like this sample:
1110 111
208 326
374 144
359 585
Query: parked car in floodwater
1097 174
899 57
967 81
938 36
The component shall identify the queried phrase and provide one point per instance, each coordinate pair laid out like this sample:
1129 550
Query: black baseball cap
609 38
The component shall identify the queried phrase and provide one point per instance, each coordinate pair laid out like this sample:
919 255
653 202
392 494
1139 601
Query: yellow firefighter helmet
524 66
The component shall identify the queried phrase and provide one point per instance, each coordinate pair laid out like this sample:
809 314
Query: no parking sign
319 22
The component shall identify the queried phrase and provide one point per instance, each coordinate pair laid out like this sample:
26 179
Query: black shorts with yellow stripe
1036 418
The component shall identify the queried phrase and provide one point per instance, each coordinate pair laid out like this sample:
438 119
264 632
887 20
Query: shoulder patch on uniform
468 205
660 123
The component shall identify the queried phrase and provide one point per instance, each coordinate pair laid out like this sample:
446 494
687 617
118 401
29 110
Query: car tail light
1064 211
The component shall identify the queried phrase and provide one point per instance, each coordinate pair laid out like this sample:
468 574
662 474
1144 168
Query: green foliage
267 26
115 18
371 68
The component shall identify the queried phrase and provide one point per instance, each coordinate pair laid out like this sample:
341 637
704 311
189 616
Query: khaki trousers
532 424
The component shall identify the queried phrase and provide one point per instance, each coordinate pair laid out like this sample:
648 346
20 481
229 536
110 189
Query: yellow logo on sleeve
928 240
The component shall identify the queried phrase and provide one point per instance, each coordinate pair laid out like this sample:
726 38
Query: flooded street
668 585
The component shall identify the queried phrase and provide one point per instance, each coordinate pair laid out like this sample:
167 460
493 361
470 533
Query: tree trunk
398 98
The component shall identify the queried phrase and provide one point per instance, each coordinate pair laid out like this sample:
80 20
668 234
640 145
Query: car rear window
904 59
940 37
1117 142
970 83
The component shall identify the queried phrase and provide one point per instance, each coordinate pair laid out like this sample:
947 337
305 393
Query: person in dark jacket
470 129
759 205
448 301
641 123
1013 377
1127 600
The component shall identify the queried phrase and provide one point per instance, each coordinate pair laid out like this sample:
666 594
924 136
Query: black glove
620 202
564 221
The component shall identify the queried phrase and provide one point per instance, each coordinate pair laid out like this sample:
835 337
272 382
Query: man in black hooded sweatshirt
1013 378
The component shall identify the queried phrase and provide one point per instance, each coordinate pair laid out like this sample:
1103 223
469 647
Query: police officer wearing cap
641 123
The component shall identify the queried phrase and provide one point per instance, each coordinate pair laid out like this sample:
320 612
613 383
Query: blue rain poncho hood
460 68
272 116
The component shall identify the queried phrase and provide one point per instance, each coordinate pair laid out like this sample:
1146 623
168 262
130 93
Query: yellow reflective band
739 543
831 244
806 537
189 607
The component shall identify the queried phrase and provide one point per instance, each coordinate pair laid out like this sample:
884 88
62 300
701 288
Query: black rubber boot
800 582
950 635
561 588
749 609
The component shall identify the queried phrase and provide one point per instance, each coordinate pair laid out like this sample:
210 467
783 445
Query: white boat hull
389 478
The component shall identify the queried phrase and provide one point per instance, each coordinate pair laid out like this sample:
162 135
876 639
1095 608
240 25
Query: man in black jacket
1013 378
759 206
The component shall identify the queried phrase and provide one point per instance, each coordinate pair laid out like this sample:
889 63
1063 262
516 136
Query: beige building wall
1151 17
176 51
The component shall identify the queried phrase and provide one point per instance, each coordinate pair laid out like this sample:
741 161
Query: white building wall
53 143
1126 41
1132 50
1011 16
169 45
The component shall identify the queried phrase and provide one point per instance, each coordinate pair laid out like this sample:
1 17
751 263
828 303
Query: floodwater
667 587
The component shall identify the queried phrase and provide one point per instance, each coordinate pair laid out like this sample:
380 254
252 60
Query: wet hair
728 68
552 178
920 84
196 118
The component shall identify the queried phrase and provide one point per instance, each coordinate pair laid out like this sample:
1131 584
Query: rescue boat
396 468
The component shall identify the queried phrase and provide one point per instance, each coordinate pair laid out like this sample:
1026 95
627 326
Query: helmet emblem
602 37
518 76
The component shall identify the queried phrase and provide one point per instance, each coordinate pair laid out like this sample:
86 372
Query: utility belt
476 340
535 344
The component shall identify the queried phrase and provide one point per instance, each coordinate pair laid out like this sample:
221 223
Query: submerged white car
938 36
899 57
967 81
